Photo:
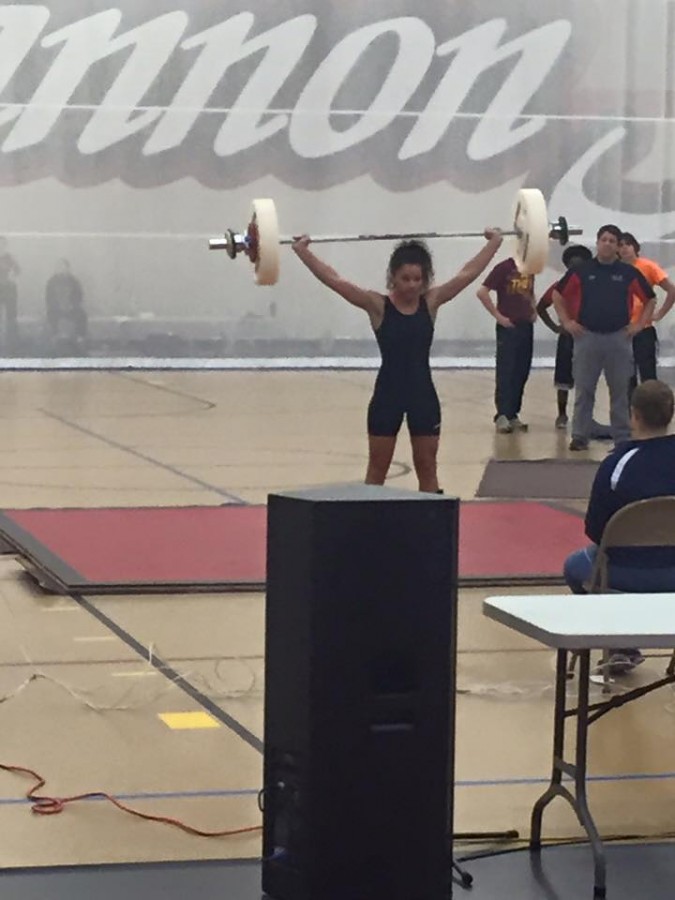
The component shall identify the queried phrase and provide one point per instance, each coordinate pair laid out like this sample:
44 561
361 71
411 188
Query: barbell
531 228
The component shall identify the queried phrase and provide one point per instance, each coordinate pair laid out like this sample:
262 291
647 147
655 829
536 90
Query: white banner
129 134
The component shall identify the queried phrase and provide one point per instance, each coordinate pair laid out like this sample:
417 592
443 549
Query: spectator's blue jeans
630 579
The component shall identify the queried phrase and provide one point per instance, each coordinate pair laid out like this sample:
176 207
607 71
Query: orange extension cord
51 806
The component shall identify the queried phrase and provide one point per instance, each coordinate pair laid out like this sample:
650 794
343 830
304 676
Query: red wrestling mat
217 548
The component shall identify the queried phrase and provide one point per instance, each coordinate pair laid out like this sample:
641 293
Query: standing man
595 303
563 381
515 313
645 342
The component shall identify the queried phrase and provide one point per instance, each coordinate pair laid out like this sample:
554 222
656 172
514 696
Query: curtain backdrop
130 133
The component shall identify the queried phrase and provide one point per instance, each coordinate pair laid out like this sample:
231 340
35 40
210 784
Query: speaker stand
466 878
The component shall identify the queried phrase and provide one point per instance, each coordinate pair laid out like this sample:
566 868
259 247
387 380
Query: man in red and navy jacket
595 303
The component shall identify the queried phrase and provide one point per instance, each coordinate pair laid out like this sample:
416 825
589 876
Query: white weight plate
265 229
530 219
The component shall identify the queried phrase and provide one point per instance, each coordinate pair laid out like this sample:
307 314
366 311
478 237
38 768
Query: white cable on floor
124 702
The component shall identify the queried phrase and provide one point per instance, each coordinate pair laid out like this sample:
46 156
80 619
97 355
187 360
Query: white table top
589 621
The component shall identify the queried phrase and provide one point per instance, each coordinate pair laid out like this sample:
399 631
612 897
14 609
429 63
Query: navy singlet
404 386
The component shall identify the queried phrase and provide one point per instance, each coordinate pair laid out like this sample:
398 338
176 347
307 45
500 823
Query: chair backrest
645 523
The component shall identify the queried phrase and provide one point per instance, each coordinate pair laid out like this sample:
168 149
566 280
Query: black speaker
359 694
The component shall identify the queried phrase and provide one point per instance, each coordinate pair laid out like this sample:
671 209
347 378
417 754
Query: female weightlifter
403 321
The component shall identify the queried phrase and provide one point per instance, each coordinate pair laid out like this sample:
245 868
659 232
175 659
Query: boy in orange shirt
645 342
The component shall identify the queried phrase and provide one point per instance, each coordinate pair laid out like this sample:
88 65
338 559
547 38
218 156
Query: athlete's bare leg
380 455
425 451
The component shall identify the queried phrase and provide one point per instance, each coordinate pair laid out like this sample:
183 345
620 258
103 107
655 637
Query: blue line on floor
166 795
507 782
252 792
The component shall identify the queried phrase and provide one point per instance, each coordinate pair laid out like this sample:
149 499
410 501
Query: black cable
565 842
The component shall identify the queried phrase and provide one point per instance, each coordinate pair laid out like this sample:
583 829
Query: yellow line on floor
185 720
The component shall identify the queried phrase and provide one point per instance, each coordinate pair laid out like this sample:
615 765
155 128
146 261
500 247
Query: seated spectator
66 316
641 468
9 296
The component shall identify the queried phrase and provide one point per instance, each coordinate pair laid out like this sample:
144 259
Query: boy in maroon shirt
515 312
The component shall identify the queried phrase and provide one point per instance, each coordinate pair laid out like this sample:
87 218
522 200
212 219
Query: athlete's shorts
387 410
564 351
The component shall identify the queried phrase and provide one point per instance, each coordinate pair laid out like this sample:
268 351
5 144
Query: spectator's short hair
611 229
575 252
628 238
653 401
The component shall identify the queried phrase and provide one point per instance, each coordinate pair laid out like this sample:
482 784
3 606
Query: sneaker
503 426
578 444
517 425
600 432
561 422
624 661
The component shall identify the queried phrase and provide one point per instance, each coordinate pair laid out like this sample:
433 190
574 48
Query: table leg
578 800
579 771
554 787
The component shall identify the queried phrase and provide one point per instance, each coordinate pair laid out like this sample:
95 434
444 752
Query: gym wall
131 132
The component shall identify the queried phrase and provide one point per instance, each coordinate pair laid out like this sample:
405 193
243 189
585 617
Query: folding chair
645 523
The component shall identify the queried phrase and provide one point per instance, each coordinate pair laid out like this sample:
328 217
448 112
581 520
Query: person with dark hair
403 321
563 380
515 313
645 342
595 303
640 469
9 295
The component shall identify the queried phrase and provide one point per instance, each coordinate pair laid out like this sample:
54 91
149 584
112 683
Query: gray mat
634 872
538 479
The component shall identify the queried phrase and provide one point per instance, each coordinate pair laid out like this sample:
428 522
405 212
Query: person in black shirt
595 303
403 322
641 468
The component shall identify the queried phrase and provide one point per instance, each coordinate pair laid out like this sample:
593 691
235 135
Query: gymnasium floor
92 718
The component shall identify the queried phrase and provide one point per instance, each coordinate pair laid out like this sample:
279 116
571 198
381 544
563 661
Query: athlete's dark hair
411 253
653 402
